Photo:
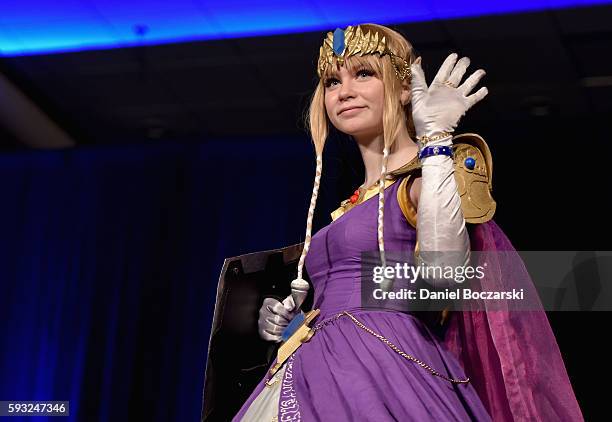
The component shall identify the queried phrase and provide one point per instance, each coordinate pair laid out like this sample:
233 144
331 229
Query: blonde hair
394 114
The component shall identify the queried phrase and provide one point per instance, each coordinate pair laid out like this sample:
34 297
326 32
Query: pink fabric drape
512 357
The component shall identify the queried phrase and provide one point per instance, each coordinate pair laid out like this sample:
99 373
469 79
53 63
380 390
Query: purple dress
344 373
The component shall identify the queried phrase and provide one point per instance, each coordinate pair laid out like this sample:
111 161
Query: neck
402 151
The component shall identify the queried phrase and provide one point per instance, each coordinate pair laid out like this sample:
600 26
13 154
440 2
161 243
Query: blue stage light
44 26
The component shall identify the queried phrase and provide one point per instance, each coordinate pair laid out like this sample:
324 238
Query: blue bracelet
435 150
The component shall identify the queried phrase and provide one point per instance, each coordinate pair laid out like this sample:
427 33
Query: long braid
299 286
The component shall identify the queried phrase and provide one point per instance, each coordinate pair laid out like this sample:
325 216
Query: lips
349 108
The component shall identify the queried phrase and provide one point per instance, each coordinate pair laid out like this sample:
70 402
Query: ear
405 93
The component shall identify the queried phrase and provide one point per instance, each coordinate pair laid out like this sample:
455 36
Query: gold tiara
353 41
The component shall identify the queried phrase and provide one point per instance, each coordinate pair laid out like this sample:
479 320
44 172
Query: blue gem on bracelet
470 163
338 41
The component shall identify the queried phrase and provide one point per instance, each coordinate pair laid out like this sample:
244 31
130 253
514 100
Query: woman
370 364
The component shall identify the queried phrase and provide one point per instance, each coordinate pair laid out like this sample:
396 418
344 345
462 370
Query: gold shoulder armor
473 174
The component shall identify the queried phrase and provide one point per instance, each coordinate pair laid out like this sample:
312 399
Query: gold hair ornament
353 41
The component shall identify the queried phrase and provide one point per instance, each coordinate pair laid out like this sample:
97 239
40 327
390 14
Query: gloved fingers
418 84
270 301
274 326
270 337
273 306
446 68
271 328
469 84
458 71
280 310
277 320
479 95
289 303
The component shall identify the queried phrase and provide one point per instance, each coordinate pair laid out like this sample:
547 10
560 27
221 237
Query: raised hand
438 107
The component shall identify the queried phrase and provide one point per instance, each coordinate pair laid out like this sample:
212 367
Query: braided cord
381 206
313 202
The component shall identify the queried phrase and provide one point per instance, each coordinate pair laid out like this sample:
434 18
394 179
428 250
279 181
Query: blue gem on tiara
338 41
470 163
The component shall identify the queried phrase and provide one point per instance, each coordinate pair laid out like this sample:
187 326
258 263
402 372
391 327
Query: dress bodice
334 259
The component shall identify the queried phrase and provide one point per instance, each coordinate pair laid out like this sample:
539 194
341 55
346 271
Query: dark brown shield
237 357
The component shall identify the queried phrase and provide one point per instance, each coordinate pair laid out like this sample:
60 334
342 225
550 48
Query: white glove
437 109
440 222
274 316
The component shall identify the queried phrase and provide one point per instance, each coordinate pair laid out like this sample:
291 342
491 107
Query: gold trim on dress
367 193
364 195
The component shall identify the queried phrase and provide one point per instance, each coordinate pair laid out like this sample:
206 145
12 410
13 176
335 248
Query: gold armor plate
473 185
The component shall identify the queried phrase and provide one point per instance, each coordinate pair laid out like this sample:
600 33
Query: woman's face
354 101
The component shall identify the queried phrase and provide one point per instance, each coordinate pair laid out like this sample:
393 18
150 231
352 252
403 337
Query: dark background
188 153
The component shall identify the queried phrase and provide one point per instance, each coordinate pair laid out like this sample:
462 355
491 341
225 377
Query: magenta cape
513 356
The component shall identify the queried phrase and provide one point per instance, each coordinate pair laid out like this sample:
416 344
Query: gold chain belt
388 343
305 333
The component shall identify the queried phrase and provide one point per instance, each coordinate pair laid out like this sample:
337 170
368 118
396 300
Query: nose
346 90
